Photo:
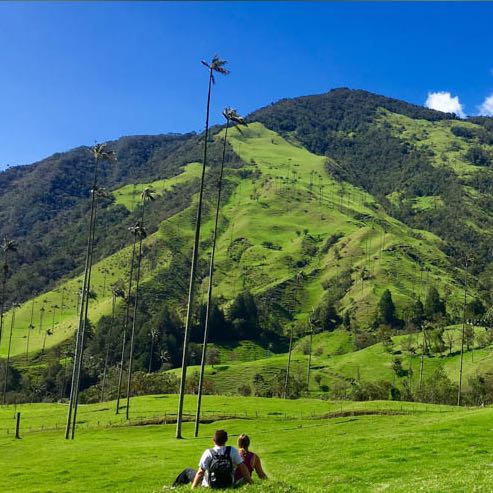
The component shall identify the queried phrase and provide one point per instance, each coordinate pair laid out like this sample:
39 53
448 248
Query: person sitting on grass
216 467
250 460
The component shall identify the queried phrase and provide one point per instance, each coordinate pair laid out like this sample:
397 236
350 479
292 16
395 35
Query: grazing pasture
306 445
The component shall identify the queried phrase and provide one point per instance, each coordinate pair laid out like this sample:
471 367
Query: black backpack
221 469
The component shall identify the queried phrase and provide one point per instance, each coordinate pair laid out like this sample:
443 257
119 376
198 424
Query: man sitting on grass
216 467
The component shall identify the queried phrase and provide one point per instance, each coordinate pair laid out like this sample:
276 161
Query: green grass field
306 446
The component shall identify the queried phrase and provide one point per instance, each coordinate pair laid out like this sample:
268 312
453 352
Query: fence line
7 424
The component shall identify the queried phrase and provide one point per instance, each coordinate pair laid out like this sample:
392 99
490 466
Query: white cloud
444 101
486 109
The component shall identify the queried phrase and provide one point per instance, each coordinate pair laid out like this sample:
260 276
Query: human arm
199 476
257 465
245 473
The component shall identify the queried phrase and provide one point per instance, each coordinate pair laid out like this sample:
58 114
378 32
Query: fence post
18 425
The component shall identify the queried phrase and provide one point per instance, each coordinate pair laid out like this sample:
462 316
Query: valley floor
306 445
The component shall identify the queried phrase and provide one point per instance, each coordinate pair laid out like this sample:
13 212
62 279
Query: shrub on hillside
369 391
438 389
478 156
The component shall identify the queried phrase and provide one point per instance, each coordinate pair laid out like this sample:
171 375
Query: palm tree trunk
120 372
286 382
134 321
459 392
191 289
103 383
209 289
422 363
125 325
29 331
12 323
82 321
2 293
309 363
86 311
150 353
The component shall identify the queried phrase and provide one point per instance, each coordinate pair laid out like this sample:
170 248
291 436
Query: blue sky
75 73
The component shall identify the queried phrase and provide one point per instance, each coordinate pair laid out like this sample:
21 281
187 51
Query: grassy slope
371 239
336 362
429 448
129 195
289 178
63 324
105 273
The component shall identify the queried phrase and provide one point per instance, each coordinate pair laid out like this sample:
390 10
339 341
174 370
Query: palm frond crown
148 194
232 116
102 153
8 246
216 65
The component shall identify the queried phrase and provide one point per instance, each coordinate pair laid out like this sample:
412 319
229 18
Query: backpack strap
228 451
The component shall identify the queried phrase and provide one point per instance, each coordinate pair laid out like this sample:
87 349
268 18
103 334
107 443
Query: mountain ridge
325 209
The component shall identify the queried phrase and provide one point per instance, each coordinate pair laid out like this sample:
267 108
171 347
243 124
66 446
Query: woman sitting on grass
251 460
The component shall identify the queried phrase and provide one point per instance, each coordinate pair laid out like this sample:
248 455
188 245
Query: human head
243 441
220 437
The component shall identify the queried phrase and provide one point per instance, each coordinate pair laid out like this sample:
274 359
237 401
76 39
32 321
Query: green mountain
330 201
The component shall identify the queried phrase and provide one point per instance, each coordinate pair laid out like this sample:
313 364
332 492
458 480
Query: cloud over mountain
486 108
444 101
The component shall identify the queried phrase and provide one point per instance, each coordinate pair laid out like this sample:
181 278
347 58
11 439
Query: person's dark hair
220 437
243 441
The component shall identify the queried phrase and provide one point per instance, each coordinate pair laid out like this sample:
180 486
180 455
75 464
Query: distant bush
478 156
463 132
245 390
271 246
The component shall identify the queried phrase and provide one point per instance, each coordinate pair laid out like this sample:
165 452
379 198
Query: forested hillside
346 211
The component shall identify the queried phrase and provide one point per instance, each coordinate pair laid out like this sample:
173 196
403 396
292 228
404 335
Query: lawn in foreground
432 449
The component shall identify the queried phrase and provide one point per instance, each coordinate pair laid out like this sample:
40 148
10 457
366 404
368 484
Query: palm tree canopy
8 246
138 230
216 65
117 290
141 232
102 153
102 192
148 194
232 115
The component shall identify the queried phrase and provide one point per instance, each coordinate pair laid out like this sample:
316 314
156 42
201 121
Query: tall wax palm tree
100 154
29 329
148 195
7 247
134 231
424 349
12 324
216 65
41 318
311 323
98 192
299 277
286 381
142 235
459 392
154 334
231 116
117 292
